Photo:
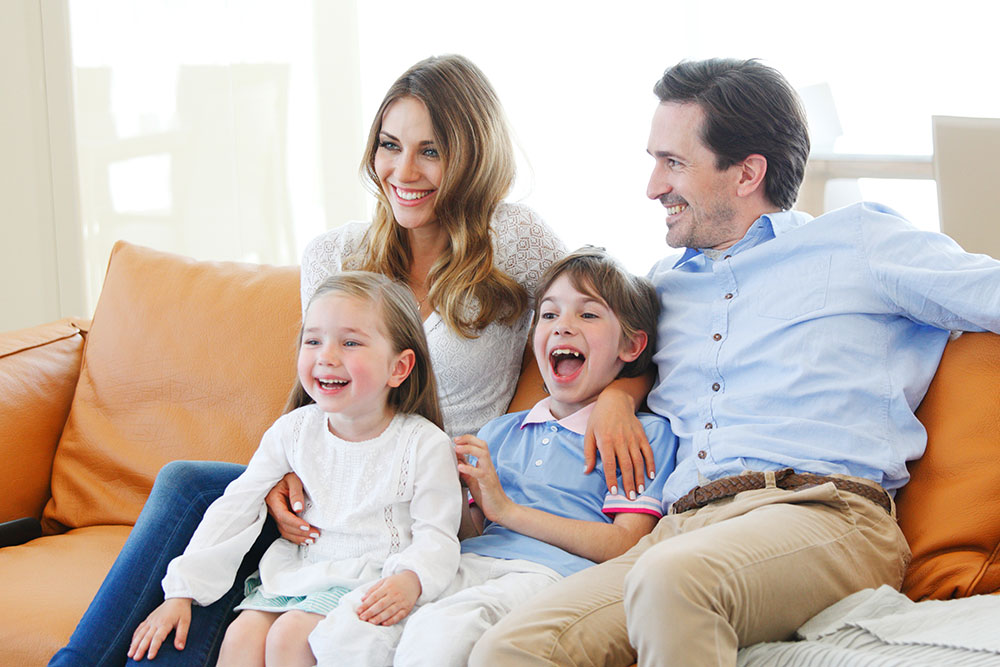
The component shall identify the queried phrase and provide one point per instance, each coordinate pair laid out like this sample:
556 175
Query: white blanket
883 628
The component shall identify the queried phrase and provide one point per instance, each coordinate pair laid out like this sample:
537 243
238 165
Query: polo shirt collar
576 422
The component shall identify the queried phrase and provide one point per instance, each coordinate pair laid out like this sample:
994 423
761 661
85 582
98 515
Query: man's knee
669 569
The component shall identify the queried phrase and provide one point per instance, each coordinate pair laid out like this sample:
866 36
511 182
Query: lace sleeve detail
337 250
525 245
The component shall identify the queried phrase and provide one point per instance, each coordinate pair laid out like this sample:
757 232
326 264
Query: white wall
33 177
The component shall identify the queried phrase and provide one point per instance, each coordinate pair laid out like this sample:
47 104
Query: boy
536 517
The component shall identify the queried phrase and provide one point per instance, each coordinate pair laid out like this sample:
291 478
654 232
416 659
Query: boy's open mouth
566 362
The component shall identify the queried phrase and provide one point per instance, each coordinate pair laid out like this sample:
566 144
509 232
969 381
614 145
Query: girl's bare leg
244 643
288 639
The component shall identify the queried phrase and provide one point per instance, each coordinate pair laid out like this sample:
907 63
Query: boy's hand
390 599
615 431
481 478
284 502
147 638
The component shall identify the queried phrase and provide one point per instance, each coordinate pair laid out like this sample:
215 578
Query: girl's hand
390 599
481 478
147 638
284 503
615 431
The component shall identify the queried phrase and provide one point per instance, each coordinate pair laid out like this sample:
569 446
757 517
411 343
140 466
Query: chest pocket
795 289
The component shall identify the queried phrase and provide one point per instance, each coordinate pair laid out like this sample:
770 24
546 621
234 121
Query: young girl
380 479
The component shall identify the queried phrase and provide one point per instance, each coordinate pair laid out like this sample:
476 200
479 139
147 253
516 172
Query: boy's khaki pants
738 571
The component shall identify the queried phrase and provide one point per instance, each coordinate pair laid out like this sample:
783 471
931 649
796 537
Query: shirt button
545 441
538 463
729 295
553 429
709 426
715 387
717 337
702 454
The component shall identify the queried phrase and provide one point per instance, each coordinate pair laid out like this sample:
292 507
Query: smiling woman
407 163
438 161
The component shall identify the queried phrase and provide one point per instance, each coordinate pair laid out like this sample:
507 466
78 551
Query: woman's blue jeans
180 496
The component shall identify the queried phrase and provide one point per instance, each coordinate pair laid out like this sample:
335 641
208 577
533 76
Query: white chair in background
967 171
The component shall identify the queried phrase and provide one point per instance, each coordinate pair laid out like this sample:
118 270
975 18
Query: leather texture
48 584
184 360
950 509
39 368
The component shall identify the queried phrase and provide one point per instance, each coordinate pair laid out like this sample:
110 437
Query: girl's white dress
384 505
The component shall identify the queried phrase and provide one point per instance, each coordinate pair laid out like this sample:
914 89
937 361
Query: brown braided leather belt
788 479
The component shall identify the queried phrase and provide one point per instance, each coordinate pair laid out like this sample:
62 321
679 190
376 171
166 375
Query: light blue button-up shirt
810 343
539 460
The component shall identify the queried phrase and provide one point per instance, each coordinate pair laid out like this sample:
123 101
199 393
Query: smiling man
791 355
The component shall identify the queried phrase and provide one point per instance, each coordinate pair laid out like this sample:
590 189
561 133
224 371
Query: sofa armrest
39 368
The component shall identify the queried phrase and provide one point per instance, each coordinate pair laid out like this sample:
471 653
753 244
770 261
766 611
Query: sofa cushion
39 367
48 584
950 509
184 360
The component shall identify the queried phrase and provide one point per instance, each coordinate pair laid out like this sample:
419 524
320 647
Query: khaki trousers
742 570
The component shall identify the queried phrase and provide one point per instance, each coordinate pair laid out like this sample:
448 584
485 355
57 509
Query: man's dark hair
749 108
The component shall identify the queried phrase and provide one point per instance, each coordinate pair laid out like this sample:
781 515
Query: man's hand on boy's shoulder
615 432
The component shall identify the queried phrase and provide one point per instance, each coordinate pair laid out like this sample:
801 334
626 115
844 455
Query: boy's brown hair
632 299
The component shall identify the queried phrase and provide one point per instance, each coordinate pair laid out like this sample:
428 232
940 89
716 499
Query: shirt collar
765 228
576 422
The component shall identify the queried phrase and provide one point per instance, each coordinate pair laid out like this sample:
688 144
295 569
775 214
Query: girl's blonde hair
470 130
399 322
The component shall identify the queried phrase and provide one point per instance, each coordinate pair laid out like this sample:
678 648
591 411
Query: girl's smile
347 365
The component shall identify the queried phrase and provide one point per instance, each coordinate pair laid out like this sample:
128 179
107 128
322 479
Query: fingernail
641 488
309 541
614 490
631 495
652 474
313 534
297 507
303 527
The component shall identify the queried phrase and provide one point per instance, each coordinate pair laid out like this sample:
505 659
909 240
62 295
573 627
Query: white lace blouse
384 505
476 377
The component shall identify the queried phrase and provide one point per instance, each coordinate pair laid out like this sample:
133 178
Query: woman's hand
284 503
615 432
149 636
482 478
390 599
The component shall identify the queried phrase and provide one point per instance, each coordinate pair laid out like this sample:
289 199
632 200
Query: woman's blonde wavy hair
470 130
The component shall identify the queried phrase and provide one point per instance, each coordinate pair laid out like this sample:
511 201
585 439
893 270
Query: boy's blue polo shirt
539 460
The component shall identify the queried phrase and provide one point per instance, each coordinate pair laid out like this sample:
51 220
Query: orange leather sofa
193 360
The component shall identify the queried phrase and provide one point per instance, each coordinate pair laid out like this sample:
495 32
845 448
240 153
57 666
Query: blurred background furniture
966 151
